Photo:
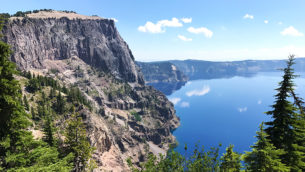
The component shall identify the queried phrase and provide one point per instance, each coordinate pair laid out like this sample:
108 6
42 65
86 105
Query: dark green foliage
52 93
287 130
230 161
264 156
60 104
78 143
136 115
5 15
18 150
33 113
280 129
200 160
49 131
35 83
26 103
75 95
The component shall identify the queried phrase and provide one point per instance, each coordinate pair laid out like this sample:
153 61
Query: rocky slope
128 118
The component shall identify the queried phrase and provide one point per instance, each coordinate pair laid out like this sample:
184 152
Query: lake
225 110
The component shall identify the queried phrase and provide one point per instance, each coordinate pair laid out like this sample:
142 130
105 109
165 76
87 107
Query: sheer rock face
97 42
91 54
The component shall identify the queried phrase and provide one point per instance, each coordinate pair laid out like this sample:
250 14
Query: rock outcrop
129 119
156 72
96 41
164 76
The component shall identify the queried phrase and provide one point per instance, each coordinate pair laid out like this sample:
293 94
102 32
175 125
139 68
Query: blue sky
217 30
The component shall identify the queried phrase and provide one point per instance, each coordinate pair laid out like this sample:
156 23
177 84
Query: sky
215 30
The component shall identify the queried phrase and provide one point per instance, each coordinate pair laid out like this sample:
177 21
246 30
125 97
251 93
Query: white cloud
266 21
114 19
186 20
185 104
291 31
183 38
171 23
151 27
248 16
159 27
201 30
189 83
259 102
244 109
175 100
201 92
280 23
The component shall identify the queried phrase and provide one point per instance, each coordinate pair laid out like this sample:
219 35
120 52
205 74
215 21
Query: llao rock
96 41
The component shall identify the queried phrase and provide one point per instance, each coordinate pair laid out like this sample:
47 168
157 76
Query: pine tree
26 103
13 137
279 130
77 143
60 104
49 131
230 161
33 113
52 93
286 131
296 153
264 156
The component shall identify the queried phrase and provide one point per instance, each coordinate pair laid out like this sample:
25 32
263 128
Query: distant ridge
201 69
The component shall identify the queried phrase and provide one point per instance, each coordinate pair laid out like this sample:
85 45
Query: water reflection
167 88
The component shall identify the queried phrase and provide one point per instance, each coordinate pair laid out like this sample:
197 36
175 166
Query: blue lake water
227 110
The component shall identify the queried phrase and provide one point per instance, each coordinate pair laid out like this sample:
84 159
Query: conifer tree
230 161
60 103
264 156
296 153
279 130
26 103
49 131
78 143
52 93
33 113
286 131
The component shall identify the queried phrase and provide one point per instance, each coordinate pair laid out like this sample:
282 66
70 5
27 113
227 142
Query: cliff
199 69
128 118
155 72
163 76
38 38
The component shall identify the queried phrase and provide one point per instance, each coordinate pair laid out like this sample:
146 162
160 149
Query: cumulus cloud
201 30
259 102
244 109
186 20
280 23
114 19
291 31
175 100
185 104
159 27
201 92
248 16
266 21
183 38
